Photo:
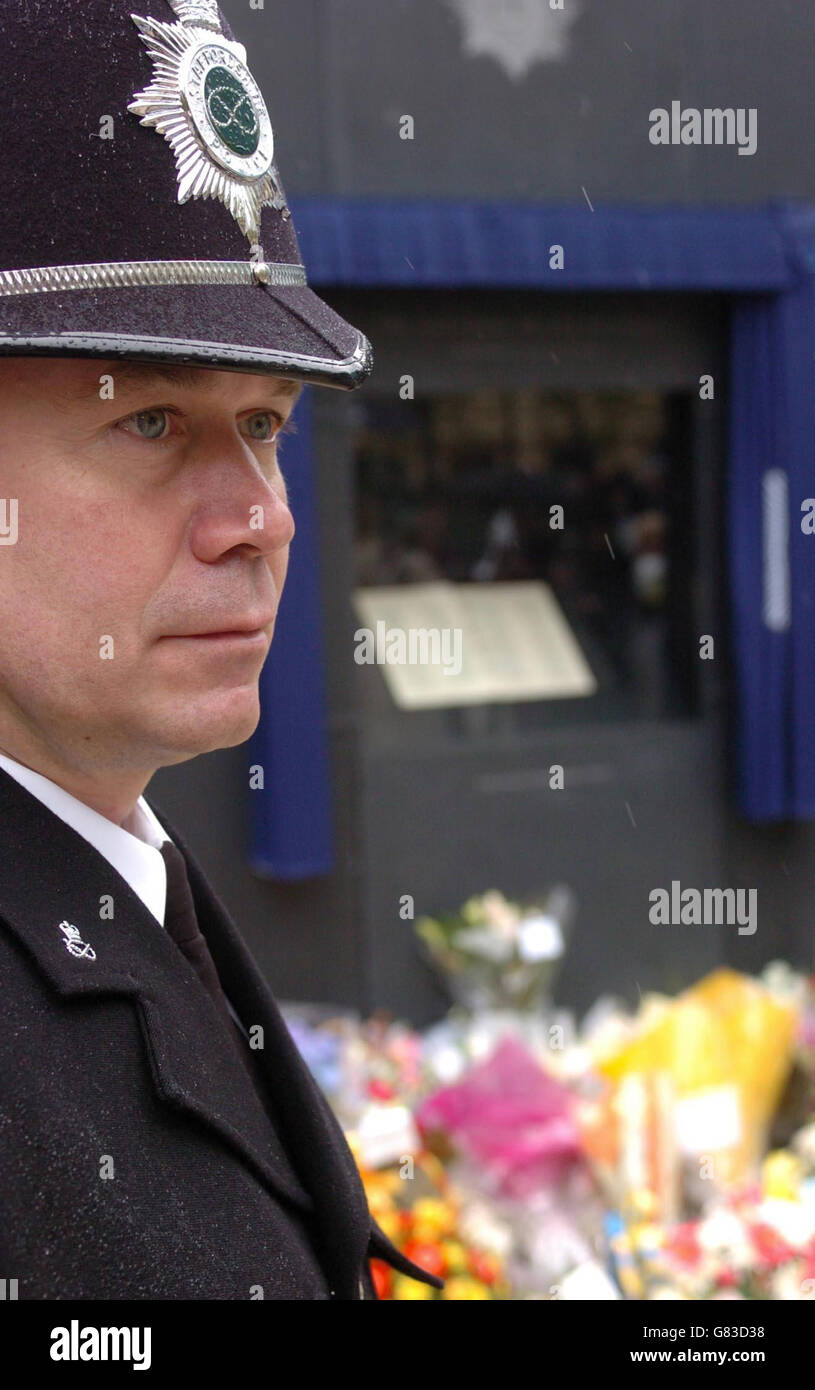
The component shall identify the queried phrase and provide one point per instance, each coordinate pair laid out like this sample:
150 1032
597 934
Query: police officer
155 328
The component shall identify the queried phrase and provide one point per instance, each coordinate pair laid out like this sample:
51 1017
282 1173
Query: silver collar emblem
206 103
72 937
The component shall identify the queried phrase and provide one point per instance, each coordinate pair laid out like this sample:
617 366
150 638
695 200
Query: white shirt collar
133 851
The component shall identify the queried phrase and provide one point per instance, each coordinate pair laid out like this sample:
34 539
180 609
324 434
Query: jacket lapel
52 883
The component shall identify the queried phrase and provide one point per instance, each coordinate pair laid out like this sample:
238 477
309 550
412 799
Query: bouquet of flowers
495 953
423 1218
756 1241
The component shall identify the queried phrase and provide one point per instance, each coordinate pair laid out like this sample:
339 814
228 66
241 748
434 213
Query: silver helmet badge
206 103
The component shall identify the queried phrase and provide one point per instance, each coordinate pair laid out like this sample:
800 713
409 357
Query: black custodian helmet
143 215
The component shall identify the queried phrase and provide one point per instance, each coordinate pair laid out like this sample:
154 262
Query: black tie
181 924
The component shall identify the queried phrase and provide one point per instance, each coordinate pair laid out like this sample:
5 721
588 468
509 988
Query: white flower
794 1222
481 941
724 1233
503 916
539 938
787 1284
804 1144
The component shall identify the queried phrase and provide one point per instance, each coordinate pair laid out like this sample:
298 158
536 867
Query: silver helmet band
127 274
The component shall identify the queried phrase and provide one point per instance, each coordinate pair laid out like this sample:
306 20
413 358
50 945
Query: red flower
382 1277
380 1090
771 1248
427 1256
484 1266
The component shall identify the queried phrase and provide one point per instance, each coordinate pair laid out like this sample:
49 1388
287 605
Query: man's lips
234 636
247 630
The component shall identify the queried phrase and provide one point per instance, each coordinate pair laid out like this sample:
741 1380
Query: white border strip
775 532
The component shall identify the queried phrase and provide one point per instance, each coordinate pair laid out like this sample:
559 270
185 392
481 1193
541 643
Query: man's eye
148 424
261 425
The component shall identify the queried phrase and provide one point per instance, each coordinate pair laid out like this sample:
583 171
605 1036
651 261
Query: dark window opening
466 487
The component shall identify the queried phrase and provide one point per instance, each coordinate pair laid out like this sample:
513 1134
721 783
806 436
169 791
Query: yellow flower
781 1174
455 1255
410 1290
432 1218
460 1288
391 1225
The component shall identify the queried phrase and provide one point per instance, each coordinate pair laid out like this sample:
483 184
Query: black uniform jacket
137 1158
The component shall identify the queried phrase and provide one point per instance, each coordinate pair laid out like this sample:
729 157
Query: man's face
145 520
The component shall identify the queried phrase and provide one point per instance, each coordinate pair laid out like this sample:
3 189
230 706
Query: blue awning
447 244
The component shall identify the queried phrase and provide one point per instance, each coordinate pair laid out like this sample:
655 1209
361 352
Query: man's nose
237 506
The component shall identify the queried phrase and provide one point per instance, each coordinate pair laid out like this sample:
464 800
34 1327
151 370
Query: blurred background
564 315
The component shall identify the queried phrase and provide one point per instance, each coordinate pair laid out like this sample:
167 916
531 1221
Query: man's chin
221 720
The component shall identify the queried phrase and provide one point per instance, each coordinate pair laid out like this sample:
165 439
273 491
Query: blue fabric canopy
421 245
765 259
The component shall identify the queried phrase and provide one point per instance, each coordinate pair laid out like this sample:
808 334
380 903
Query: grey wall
339 74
